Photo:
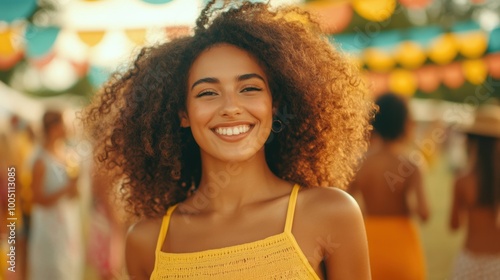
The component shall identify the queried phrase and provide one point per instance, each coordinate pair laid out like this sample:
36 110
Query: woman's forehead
224 60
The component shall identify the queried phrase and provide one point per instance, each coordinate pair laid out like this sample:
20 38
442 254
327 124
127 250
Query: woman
476 199
226 141
388 181
55 237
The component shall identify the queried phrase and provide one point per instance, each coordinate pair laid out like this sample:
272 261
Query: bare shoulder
141 230
140 247
330 206
328 211
330 225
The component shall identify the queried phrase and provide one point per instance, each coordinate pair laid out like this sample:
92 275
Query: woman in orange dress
387 181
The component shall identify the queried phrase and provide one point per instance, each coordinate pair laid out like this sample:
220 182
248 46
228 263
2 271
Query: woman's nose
230 106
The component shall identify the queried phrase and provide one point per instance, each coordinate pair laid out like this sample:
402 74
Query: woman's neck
50 145
226 186
54 146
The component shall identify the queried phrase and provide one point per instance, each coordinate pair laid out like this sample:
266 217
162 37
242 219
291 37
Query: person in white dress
55 245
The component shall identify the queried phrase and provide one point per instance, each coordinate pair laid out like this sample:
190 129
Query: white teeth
235 130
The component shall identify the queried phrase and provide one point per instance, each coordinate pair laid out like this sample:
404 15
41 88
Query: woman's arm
39 195
455 215
417 185
349 260
331 219
140 249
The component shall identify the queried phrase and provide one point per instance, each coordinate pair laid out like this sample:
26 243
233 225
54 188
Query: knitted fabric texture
275 257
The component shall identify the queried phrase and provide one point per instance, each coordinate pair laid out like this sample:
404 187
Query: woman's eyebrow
250 76
212 80
209 80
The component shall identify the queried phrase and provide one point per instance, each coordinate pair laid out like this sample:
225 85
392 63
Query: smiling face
229 104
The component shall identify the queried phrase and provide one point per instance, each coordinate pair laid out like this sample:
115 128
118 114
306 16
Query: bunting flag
174 32
428 78
8 61
443 49
157 2
10 47
471 40
11 10
40 40
415 4
6 46
137 36
91 38
452 75
374 10
379 56
98 75
378 83
494 42
493 64
41 62
333 17
410 55
475 71
403 82
404 61
379 60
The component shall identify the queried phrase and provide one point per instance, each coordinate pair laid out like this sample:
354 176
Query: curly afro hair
135 125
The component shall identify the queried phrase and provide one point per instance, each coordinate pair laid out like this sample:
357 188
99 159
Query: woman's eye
251 89
206 93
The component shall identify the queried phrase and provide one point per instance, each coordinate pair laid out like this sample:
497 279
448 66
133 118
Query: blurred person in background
17 145
5 159
54 249
476 199
387 181
106 231
22 145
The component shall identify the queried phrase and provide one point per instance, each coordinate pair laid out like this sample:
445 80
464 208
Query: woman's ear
184 119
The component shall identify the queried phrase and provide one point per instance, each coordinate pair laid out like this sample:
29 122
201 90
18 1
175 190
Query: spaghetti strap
276 256
164 228
291 208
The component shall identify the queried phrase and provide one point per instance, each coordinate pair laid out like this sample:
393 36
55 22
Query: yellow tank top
275 257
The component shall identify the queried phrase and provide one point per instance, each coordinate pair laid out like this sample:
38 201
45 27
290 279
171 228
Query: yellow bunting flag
91 38
410 55
444 49
137 36
473 44
402 82
374 10
7 46
475 71
378 60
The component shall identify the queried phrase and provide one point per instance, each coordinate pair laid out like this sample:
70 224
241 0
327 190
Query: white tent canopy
14 102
